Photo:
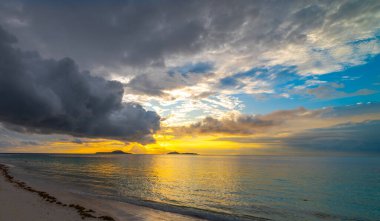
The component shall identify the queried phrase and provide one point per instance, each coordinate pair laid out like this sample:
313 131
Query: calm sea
222 187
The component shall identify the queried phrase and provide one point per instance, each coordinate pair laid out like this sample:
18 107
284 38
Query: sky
212 77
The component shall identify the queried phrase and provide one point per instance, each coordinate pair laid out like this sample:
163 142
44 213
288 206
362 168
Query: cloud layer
343 129
207 67
54 96
248 124
156 33
142 45
355 137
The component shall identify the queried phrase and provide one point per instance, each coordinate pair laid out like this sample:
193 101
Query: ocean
220 187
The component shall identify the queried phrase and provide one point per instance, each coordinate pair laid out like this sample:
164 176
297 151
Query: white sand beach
19 205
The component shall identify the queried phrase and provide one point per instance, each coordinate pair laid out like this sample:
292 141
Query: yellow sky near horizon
168 139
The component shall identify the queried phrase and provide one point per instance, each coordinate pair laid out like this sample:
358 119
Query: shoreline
70 204
82 211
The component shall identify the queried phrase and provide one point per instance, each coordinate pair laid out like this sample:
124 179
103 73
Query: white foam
8 165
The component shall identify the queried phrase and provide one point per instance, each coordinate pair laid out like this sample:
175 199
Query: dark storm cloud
54 96
132 32
137 33
140 33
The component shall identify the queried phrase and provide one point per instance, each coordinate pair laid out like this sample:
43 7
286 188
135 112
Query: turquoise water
222 187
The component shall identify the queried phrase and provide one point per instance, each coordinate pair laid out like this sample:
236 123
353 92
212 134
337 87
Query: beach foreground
24 203
19 205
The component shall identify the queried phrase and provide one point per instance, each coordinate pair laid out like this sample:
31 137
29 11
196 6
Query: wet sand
21 202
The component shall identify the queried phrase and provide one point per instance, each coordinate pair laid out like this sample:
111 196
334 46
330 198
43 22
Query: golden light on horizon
167 140
203 144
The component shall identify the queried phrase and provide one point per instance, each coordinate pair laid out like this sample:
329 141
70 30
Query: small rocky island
113 152
175 152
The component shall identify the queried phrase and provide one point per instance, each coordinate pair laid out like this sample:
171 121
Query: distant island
174 152
113 152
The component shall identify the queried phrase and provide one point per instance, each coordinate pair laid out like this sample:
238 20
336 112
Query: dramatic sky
213 77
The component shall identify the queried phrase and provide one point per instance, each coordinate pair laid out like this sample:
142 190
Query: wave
9 165
183 210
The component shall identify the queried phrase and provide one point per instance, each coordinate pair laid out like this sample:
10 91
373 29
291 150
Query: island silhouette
113 152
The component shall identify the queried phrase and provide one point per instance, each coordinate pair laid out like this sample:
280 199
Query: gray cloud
330 91
156 84
245 124
132 32
248 124
54 96
353 110
148 33
11 138
357 137
348 137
